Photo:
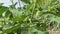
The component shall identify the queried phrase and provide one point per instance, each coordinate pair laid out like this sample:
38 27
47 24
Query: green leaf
13 6
1 4
41 32
17 15
8 14
11 28
55 18
26 1
35 31
3 9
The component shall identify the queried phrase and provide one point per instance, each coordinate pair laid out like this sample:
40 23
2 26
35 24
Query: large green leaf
55 18
18 15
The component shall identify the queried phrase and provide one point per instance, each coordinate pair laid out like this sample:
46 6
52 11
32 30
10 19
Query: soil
53 32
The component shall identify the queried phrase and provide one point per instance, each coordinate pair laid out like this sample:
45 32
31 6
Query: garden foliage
35 17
